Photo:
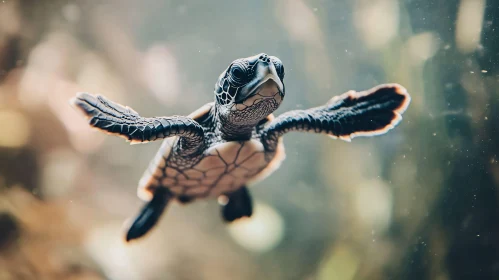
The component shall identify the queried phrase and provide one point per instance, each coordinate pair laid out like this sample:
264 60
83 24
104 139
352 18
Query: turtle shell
223 167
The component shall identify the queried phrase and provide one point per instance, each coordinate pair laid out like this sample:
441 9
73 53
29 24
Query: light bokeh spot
422 47
373 204
377 21
469 24
15 129
260 233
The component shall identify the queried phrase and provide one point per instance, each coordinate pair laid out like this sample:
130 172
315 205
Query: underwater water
419 202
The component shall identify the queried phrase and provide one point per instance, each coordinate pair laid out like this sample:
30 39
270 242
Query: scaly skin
346 116
118 120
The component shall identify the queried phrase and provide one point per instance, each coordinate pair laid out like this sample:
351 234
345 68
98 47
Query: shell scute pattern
224 167
194 174
168 181
199 191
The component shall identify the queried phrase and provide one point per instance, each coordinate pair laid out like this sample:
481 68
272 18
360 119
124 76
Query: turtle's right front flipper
123 121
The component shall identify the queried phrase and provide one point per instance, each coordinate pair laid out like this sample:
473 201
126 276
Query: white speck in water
484 71
434 134
403 156
315 9
486 118
472 72
478 235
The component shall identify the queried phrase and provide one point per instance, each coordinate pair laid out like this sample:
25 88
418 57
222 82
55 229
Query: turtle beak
264 72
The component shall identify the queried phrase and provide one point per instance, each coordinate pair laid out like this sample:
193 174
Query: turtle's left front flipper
366 113
123 121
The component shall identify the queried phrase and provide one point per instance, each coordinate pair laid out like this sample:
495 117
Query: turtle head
249 90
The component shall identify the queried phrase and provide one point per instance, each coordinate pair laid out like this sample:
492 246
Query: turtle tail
149 215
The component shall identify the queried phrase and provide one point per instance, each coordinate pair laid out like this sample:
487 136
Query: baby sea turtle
235 141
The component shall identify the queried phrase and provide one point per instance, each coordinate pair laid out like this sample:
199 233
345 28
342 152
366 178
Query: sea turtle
229 144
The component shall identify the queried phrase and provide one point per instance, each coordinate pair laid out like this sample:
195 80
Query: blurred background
420 202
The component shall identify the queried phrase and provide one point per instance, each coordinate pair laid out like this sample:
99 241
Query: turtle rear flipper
149 215
346 116
239 205
123 121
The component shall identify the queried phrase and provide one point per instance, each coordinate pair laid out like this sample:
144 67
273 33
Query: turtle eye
238 74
